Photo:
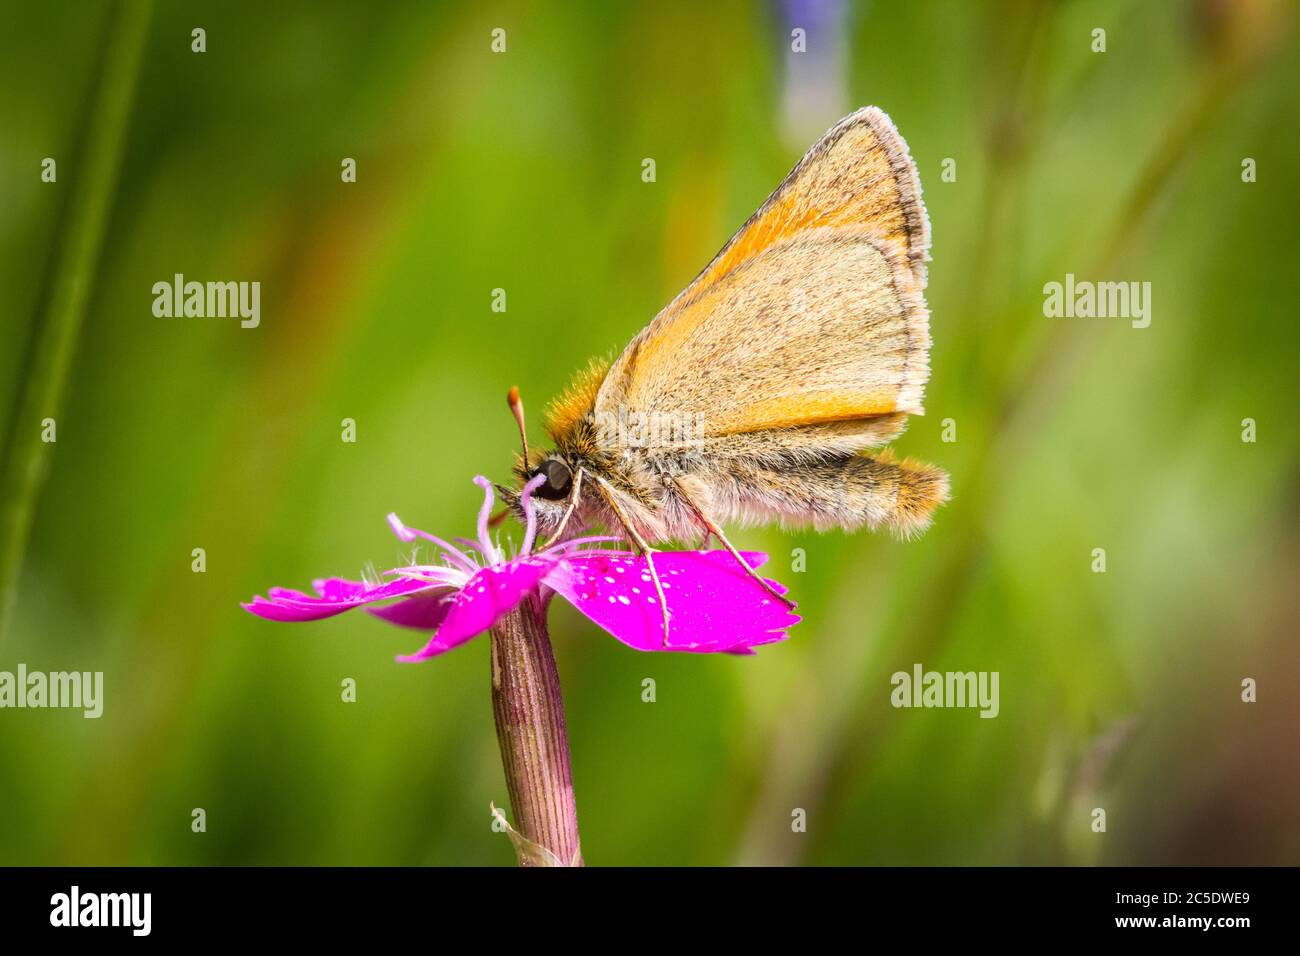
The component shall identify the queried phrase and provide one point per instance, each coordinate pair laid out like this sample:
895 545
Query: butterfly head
552 497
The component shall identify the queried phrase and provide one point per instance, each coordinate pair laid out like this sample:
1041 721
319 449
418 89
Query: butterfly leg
649 553
641 544
713 529
568 511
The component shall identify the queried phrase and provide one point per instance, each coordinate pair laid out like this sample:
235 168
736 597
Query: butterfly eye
558 480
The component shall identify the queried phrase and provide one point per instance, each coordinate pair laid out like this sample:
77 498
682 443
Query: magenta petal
283 611
336 595
424 612
714 605
488 596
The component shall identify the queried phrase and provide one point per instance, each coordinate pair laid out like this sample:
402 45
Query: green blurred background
522 171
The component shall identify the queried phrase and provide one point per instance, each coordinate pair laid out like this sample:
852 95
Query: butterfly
757 393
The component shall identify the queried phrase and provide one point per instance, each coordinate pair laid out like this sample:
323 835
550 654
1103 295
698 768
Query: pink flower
713 603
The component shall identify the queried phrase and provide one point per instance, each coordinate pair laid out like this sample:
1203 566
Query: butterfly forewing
812 313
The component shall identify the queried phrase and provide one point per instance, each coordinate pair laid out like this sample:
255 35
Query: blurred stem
529 710
24 458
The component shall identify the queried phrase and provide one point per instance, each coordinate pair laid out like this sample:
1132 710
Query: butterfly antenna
517 409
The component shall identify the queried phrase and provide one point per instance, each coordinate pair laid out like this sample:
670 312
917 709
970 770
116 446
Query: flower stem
529 709
24 457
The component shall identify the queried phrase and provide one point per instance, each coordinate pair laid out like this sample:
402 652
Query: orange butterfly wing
812 313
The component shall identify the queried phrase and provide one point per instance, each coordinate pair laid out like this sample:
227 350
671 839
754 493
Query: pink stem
529 709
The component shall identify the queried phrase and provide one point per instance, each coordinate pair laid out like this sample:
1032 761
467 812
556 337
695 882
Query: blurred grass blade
53 341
